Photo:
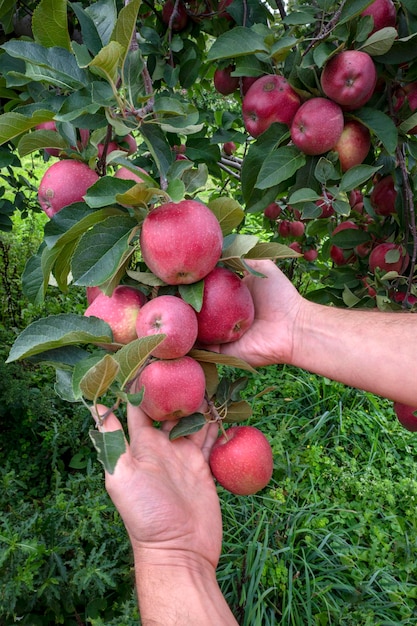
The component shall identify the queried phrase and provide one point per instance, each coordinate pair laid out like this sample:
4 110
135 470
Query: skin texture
241 460
317 126
171 316
349 78
181 242
167 499
270 99
64 183
172 388
119 310
353 145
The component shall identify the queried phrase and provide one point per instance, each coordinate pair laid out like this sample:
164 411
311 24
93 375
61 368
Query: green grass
331 540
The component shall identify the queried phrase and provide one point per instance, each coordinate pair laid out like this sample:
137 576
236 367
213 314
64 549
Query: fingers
136 421
105 421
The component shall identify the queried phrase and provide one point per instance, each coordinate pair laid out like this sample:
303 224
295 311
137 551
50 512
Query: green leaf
106 190
89 31
40 139
279 166
239 41
110 447
50 24
104 15
380 42
108 62
158 145
271 250
356 176
228 212
55 66
381 125
100 250
238 245
193 294
133 355
303 195
238 412
187 426
94 382
350 237
125 28
56 331
206 356
352 9
14 124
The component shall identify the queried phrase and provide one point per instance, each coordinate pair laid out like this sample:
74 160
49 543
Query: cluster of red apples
173 382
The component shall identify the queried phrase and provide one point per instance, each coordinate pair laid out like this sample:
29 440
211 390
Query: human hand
277 305
164 490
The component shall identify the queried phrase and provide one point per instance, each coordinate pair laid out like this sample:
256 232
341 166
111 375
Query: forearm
177 590
370 350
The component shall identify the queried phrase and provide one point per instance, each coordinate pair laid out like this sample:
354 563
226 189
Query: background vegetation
331 541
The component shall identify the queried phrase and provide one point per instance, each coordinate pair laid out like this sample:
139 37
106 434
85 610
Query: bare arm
166 496
372 350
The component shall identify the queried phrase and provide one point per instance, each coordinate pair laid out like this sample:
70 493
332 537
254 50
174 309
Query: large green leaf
355 176
56 66
50 24
39 139
91 37
125 28
93 377
133 355
381 125
280 165
239 41
56 331
14 124
108 62
158 146
104 15
101 249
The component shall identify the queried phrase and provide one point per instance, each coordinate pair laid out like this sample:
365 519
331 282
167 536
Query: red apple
128 174
310 255
181 242
173 388
92 293
295 245
349 78
272 211
407 416
317 126
297 228
119 310
64 183
325 204
223 4
353 144
177 22
270 99
342 256
168 315
247 82
389 257
224 83
383 196
229 147
227 311
383 13
284 228
241 460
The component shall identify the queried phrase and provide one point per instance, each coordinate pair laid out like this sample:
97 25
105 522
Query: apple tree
294 123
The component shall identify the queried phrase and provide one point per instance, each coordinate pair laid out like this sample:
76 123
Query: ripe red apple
173 388
64 183
284 228
378 258
241 461
181 242
247 82
227 311
317 126
119 310
295 245
383 12
127 174
179 20
353 144
224 83
349 78
310 255
407 416
223 4
168 315
383 196
229 147
297 228
272 211
356 200
270 99
325 204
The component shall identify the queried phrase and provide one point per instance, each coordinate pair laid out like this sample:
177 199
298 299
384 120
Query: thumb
105 419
